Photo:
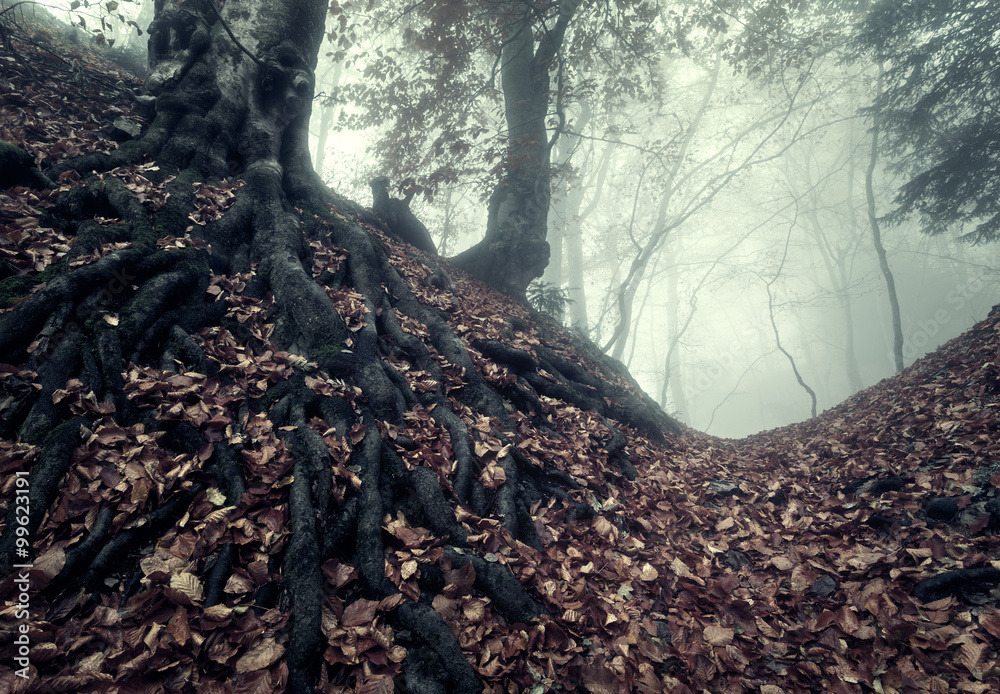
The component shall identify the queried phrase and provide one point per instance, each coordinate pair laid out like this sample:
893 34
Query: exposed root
303 580
82 555
114 554
313 444
499 584
431 629
45 477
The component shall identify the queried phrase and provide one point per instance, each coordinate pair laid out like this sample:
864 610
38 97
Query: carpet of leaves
773 563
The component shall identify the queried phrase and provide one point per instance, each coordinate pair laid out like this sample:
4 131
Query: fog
744 188
796 191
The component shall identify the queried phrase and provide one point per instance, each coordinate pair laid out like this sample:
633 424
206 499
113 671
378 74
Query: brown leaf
598 679
474 609
461 579
781 563
178 626
256 682
52 562
359 612
188 584
446 607
391 602
847 619
376 684
261 656
718 636
990 621
972 655
725 524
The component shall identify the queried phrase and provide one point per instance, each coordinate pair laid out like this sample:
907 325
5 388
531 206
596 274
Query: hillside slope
854 552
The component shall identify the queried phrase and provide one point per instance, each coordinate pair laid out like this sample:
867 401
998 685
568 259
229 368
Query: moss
981 476
327 352
172 219
317 221
13 288
195 263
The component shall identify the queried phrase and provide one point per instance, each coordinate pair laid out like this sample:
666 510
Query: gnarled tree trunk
514 250
151 334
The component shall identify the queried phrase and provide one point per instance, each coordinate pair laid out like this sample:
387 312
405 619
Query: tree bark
173 302
883 260
514 250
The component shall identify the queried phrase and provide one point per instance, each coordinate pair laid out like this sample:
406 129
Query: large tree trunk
514 250
257 506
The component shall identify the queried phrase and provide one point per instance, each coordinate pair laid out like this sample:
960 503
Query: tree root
430 628
82 554
304 581
496 581
43 484
112 555
145 305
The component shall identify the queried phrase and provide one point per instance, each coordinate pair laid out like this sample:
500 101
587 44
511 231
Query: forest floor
853 552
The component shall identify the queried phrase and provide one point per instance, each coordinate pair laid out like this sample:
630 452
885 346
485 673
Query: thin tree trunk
883 261
661 228
850 350
327 111
777 335
567 200
577 287
672 378
447 227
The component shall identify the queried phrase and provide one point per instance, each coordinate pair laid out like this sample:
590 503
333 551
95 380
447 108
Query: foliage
550 299
938 110
107 14
430 80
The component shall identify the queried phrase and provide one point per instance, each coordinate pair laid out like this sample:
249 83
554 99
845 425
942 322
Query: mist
713 200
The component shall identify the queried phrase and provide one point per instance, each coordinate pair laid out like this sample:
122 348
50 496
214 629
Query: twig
229 31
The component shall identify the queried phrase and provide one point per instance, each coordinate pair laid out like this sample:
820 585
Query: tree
768 284
514 250
263 400
883 260
938 124
528 59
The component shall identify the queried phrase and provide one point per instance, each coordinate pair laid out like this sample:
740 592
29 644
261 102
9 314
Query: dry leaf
718 636
261 656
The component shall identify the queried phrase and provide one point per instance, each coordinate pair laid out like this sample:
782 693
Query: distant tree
877 118
769 288
937 111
